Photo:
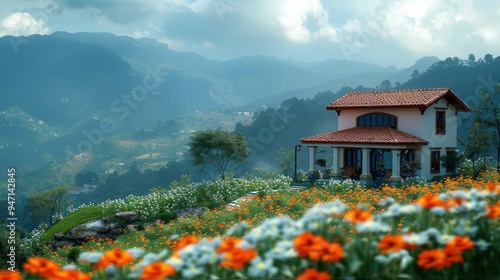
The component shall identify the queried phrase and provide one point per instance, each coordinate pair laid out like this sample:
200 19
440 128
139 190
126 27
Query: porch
365 163
366 153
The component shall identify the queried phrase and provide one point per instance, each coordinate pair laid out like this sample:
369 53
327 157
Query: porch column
395 165
341 158
335 162
365 171
312 157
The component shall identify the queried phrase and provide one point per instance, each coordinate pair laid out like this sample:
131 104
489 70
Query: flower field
444 230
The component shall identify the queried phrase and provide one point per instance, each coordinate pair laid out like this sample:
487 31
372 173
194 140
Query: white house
79 190
395 128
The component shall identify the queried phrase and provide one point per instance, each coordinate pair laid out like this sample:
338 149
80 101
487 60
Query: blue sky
378 31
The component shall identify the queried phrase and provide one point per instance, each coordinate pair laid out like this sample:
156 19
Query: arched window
377 119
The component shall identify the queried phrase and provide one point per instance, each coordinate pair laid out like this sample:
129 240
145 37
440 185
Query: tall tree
286 161
487 117
218 148
47 205
475 149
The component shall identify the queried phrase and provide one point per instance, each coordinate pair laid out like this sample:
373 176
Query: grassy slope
78 217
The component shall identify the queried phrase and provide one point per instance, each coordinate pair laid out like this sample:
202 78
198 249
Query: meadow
440 230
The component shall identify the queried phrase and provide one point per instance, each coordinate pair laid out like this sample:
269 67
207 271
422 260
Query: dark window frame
435 161
440 122
377 119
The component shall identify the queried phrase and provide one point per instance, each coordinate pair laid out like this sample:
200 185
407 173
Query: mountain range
54 87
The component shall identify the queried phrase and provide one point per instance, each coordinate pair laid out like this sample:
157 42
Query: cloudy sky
385 32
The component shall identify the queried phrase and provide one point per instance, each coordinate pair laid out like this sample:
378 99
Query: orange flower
313 274
392 243
461 242
434 258
69 275
228 245
116 256
358 216
452 255
41 267
454 202
332 252
493 211
429 201
492 187
317 248
304 243
184 242
10 275
238 257
157 270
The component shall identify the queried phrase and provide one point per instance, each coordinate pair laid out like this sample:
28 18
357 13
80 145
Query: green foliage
73 254
451 161
48 205
5 243
89 178
264 173
477 147
218 148
74 219
340 186
185 180
487 117
286 161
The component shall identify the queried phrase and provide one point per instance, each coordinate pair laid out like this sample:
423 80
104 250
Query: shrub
73 254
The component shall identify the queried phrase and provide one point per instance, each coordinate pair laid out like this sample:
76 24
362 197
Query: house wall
410 120
440 143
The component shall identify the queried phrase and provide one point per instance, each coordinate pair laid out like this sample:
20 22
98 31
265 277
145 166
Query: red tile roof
365 135
420 98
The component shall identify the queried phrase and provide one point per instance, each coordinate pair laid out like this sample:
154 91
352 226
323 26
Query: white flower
444 238
482 245
416 239
282 250
192 271
91 257
372 226
135 252
438 210
260 268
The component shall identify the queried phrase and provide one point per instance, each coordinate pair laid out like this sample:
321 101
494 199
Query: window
377 119
440 122
435 161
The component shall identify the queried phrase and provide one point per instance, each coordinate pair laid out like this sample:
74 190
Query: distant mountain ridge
67 83
64 77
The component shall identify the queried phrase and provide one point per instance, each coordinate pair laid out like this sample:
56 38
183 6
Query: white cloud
488 33
200 6
22 24
302 21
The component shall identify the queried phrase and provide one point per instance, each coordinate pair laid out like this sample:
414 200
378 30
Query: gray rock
59 236
54 244
135 227
127 216
186 212
97 228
